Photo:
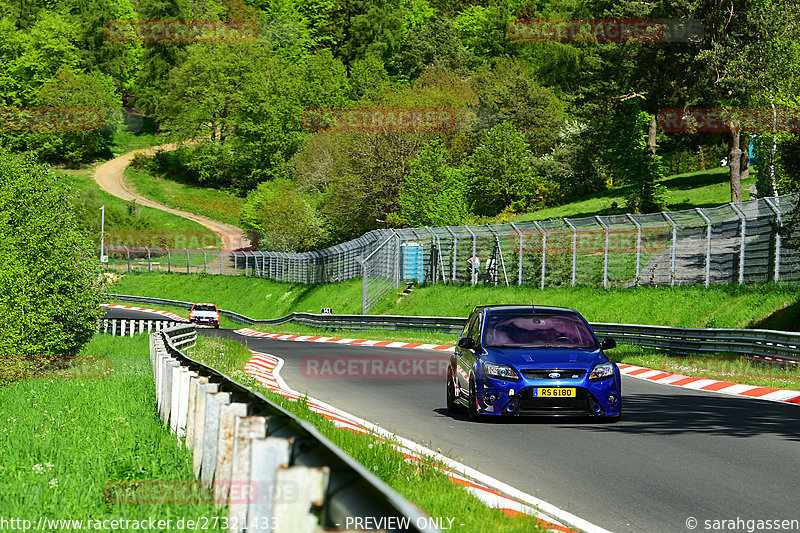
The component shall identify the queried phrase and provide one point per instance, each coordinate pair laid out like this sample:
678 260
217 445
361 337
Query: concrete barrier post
294 514
214 402
203 390
183 401
175 397
266 457
166 388
246 429
227 423
194 383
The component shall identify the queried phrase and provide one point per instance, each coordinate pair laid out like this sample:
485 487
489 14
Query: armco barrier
122 327
294 476
763 343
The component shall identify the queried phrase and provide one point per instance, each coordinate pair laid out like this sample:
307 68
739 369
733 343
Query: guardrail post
246 429
544 250
743 232
638 247
214 403
203 390
311 484
267 456
472 270
191 413
778 219
674 246
606 230
574 251
708 244
227 424
519 263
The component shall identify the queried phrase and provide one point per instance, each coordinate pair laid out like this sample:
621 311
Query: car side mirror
609 343
468 343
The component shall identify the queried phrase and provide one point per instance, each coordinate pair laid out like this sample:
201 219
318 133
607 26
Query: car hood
545 358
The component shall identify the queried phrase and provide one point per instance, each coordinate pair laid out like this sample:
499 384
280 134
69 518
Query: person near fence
473 267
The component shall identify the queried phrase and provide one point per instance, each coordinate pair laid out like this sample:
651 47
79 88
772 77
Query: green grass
254 297
725 306
126 141
206 201
707 188
419 482
129 224
64 439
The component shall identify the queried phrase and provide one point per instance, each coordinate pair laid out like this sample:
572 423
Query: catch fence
744 243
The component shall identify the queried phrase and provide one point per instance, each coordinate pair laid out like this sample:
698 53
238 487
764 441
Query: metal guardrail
239 436
781 345
121 327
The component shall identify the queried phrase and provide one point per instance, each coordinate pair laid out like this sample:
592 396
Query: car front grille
545 374
580 405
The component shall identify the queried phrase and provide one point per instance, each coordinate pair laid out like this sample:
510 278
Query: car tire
474 415
452 405
216 327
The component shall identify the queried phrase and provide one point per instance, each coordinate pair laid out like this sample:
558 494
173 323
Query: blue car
531 360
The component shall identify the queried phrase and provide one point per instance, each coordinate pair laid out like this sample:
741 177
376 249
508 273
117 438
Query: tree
280 219
501 173
49 289
433 192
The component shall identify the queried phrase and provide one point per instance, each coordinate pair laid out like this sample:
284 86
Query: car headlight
499 371
602 371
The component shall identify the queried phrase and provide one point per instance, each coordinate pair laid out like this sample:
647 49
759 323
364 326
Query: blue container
412 260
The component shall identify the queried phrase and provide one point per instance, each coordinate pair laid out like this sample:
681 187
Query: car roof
203 303
509 309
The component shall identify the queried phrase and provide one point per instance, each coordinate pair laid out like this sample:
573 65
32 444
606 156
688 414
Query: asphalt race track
676 454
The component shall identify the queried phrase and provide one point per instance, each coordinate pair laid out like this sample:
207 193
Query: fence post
219 253
544 249
574 250
638 247
500 252
364 306
187 260
205 262
519 265
169 260
396 260
708 244
473 272
605 250
777 210
455 251
129 258
674 246
743 231
149 263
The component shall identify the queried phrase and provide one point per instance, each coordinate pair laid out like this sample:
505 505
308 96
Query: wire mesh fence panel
380 272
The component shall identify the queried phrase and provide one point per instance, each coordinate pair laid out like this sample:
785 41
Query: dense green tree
49 289
433 193
279 218
501 173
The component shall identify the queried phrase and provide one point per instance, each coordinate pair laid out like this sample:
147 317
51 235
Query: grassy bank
64 439
431 490
729 306
212 203
707 188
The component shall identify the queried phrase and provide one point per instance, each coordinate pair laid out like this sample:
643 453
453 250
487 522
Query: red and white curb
710 385
340 340
155 311
494 493
648 374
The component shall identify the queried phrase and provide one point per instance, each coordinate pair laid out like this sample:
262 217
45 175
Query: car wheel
452 406
216 327
474 415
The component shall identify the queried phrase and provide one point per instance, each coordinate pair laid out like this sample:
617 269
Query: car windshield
537 330
204 307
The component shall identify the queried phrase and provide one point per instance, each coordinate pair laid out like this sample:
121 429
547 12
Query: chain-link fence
745 243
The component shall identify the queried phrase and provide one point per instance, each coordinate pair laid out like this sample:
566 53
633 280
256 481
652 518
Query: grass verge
419 482
64 439
726 306
206 201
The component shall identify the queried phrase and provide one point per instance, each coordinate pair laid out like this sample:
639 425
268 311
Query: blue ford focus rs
532 360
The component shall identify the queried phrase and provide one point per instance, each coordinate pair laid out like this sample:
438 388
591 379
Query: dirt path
110 176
